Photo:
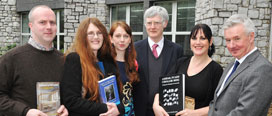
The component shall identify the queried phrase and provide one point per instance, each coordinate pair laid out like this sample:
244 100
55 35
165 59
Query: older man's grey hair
156 10
30 18
240 19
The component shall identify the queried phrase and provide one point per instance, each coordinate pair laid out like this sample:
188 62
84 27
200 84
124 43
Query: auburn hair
90 72
130 53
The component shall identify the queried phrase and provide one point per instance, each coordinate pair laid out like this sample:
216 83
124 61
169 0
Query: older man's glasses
92 34
153 23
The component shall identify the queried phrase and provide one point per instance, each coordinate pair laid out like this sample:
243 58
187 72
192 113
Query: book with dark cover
48 98
108 90
172 93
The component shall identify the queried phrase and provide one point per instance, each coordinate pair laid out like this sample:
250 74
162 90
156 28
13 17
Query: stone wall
9 25
77 10
215 12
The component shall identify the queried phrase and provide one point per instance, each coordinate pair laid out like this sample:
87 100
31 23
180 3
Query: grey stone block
217 20
217 41
218 3
68 25
253 13
224 14
236 1
263 3
67 39
231 7
263 33
262 43
242 10
257 22
79 8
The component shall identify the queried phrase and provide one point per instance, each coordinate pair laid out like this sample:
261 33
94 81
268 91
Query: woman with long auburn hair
125 55
89 60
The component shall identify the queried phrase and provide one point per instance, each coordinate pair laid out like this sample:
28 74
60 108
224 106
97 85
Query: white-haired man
245 85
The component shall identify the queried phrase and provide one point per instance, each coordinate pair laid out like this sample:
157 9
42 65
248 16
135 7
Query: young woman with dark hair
202 74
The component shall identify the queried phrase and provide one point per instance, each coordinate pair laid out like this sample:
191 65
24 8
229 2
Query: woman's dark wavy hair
208 34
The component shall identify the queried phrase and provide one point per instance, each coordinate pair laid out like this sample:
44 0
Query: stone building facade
9 25
215 12
77 10
212 12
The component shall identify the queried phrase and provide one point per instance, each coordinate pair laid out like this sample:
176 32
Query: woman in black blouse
89 60
202 74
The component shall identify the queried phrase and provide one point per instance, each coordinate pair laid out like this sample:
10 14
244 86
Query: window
133 15
181 20
59 39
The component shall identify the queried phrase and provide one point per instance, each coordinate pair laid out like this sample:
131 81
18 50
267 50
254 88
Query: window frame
127 16
174 33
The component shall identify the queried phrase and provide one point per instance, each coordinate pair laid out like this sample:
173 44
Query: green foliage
8 47
3 50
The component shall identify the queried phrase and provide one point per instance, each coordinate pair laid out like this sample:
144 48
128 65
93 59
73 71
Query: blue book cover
108 90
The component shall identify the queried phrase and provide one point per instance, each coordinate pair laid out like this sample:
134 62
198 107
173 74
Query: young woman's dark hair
208 34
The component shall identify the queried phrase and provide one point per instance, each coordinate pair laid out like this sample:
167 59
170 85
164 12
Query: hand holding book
48 98
172 93
112 110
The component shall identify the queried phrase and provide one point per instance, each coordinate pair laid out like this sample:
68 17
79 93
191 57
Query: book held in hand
189 103
172 93
108 90
48 98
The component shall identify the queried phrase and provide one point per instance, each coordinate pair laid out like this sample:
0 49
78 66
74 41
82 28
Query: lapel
245 64
143 51
223 76
167 52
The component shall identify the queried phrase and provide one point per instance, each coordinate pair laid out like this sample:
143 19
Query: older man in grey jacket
245 88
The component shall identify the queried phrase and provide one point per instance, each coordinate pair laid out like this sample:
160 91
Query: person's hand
159 111
187 112
35 112
62 111
112 110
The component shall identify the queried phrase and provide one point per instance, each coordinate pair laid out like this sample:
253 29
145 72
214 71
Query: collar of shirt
38 46
244 57
160 43
240 61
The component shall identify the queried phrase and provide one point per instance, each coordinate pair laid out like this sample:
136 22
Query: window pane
168 7
185 15
61 21
61 43
184 41
136 17
137 37
118 13
25 38
25 28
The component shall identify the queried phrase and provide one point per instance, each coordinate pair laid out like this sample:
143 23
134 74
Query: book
48 98
189 103
172 93
108 90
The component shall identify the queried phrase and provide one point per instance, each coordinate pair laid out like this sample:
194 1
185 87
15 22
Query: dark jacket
171 52
71 89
